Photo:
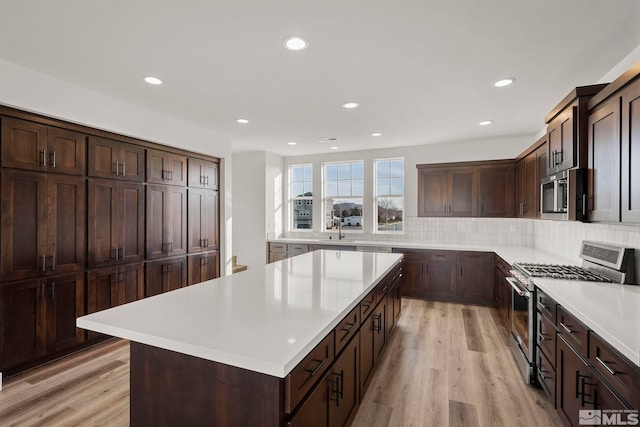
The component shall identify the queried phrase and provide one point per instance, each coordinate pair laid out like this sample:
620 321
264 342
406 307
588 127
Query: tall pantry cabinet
91 220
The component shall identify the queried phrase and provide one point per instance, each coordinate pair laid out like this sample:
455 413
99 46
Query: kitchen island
248 349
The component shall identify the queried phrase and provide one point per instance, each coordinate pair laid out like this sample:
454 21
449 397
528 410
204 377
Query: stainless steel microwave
563 195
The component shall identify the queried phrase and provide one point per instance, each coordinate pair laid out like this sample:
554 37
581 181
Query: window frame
325 197
377 196
304 199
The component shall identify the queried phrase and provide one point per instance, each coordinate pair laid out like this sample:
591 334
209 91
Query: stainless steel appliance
563 195
601 262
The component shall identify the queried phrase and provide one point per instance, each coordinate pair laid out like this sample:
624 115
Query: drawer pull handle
315 371
541 337
542 375
348 327
542 306
604 364
566 328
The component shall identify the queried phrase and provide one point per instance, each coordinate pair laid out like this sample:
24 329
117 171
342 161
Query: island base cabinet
174 389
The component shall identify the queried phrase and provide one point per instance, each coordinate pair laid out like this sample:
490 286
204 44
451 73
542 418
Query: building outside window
301 196
343 191
389 194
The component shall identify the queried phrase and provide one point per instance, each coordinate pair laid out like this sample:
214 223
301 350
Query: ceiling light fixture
485 122
153 80
292 143
350 105
376 134
330 139
334 148
504 82
295 43
242 121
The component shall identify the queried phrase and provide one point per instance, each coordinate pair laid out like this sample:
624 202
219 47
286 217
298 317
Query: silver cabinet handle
53 290
52 158
117 168
44 263
604 364
53 262
566 328
42 291
516 287
124 168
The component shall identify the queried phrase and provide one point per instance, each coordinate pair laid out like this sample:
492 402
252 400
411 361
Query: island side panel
170 388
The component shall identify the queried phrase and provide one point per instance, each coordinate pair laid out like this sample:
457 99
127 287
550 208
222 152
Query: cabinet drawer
442 256
616 369
476 257
503 266
546 376
408 255
367 305
573 330
308 372
346 329
296 248
546 305
278 247
546 339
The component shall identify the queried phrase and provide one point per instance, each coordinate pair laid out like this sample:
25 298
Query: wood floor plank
431 374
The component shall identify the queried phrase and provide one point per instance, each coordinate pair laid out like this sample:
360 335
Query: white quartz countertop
611 310
265 320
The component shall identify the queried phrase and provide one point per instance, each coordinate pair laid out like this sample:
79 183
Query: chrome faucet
340 235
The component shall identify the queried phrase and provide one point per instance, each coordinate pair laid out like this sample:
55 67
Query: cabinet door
202 267
130 284
412 279
562 134
24 225
344 398
23 325
176 273
66 224
495 191
103 223
154 278
23 144
527 187
440 276
572 384
476 282
130 222
157 211
433 192
379 331
66 151
100 289
177 221
367 331
165 275
65 302
631 154
462 196
313 411
604 162
197 220
203 174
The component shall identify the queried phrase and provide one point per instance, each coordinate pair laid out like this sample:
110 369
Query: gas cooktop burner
565 272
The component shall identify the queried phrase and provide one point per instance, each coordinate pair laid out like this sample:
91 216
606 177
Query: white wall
499 148
30 90
257 205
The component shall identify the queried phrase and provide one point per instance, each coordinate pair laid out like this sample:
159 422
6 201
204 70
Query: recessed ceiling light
485 122
334 148
330 139
242 121
292 143
504 82
350 104
376 134
295 43
153 80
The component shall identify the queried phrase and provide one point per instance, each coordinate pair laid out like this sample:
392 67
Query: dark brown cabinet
116 222
29 145
529 170
475 277
203 220
166 221
114 286
115 159
202 267
165 275
567 130
166 168
502 291
496 191
446 192
631 153
39 317
573 383
43 221
203 174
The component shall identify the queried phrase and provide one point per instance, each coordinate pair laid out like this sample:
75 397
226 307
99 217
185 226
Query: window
301 191
389 194
343 191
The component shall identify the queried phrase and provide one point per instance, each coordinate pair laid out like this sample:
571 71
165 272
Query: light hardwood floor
446 365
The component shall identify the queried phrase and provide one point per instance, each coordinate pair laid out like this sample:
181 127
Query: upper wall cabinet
166 168
567 130
115 159
33 146
614 151
529 170
466 189
203 174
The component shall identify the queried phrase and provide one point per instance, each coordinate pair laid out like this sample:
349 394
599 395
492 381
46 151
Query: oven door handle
516 287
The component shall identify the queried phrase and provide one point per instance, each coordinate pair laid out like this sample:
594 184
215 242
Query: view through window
301 190
343 191
389 194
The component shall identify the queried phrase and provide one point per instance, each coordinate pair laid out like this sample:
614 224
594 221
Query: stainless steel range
601 262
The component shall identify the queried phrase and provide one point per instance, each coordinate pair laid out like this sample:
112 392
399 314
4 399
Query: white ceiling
422 71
